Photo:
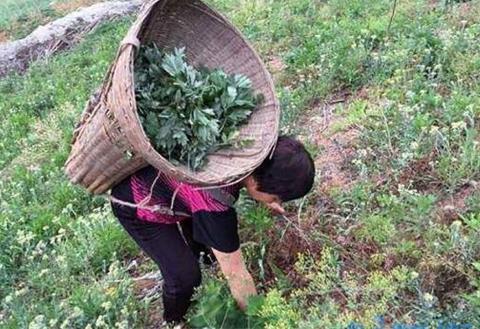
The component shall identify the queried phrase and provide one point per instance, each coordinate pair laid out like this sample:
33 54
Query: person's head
287 175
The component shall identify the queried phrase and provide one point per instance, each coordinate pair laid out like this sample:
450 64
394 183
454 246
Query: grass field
388 104
20 17
12 9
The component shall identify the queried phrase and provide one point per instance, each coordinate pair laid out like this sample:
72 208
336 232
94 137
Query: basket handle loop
132 36
131 40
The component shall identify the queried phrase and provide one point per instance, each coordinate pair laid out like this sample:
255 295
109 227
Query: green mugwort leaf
187 112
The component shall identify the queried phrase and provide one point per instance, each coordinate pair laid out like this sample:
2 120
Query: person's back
152 189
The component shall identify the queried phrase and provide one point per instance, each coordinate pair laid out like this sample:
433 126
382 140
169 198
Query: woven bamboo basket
109 143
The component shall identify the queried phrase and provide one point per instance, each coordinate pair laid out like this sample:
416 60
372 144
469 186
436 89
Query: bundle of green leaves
188 113
215 307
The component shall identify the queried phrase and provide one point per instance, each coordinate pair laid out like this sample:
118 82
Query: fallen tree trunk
16 56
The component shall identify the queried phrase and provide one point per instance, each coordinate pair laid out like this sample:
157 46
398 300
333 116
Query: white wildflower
60 259
362 152
106 306
114 269
65 324
459 125
100 322
428 297
24 238
77 312
124 311
21 292
410 94
37 323
8 299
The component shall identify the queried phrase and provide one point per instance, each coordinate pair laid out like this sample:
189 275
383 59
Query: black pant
177 256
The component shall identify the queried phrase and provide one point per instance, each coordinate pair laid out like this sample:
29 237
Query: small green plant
321 274
377 228
259 219
215 308
474 297
473 202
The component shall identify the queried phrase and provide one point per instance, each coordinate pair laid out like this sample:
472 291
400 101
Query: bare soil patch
3 36
336 148
421 175
148 285
275 64
452 207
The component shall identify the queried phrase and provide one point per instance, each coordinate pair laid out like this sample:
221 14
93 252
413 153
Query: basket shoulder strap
162 210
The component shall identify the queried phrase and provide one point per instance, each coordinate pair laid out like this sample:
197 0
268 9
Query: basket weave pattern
110 143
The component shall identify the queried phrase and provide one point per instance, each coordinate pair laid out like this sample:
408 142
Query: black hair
289 173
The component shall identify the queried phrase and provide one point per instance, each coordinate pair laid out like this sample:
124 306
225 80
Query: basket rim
128 48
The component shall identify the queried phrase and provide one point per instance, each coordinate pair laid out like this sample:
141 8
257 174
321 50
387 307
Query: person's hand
239 279
275 208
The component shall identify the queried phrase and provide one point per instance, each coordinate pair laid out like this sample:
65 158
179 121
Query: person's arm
239 279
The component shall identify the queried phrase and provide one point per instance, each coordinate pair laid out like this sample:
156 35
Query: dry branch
16 56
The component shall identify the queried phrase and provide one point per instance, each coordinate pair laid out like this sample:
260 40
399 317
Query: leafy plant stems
187 112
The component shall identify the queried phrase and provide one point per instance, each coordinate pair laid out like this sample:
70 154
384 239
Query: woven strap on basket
219 195
162 210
